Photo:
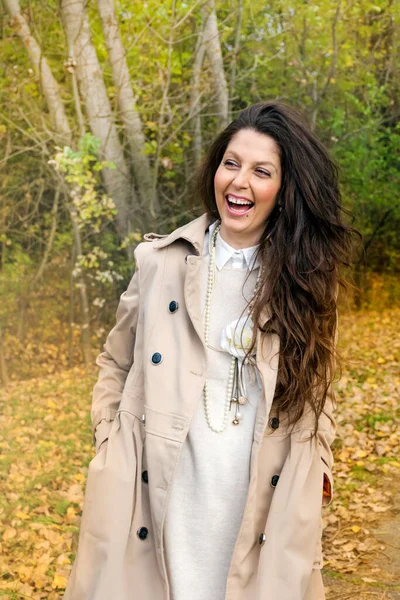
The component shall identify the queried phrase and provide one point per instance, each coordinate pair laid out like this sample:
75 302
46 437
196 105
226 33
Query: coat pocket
110 487
164 435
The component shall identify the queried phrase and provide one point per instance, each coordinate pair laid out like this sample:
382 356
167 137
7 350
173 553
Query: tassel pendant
236 396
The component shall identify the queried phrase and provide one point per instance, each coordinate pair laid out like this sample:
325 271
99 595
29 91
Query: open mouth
238 206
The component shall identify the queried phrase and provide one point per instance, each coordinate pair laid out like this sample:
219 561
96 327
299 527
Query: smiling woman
213 411
246 185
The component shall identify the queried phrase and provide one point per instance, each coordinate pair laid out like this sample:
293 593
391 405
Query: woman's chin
239 234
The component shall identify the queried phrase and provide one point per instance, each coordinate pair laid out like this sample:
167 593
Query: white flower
99 302
237 336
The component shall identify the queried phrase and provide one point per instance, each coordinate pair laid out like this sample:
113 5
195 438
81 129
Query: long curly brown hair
302 249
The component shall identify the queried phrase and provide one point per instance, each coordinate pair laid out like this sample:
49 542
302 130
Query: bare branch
235 54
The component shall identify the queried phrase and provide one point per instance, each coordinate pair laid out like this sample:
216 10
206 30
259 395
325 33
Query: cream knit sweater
210 487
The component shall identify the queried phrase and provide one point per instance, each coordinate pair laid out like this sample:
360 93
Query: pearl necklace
233 370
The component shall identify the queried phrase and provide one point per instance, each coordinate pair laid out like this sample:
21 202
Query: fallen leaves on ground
366 451
45 447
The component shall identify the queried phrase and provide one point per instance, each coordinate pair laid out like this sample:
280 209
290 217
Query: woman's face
246 185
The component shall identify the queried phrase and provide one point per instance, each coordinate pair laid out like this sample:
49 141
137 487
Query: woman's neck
237 242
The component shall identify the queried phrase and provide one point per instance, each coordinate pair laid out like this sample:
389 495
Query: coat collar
193 232
267 347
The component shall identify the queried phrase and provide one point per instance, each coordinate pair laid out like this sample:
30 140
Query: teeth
237 201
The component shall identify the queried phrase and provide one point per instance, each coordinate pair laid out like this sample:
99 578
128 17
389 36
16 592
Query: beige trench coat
143 409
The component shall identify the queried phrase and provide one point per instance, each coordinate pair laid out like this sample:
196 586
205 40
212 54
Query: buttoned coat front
142 408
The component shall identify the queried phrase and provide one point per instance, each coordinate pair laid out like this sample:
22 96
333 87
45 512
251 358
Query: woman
213 436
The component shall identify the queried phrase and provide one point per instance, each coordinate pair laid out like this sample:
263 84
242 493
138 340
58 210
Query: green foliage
342 71
93 210
81 170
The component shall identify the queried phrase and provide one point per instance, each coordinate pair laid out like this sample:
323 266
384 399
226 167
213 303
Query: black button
261 539
274 423
156 358
173 306
274 480
142 533
145 477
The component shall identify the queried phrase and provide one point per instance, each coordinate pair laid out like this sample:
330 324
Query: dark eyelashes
231 163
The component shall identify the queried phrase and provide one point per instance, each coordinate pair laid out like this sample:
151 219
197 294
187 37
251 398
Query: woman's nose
242 179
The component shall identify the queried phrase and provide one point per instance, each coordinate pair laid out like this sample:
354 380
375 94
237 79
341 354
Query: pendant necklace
235 393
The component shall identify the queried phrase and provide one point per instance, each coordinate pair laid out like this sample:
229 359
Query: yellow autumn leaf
355 528
63 560
137 236
9 533
71 514
25 573
40 581
361 453
381 360
51 404
21 515
59 582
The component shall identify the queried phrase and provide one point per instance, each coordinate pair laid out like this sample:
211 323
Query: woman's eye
264 172
229 163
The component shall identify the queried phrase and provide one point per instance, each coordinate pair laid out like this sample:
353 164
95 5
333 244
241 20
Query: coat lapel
267 346
194 233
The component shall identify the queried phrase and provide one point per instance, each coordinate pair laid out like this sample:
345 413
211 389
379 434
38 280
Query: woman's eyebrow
261 162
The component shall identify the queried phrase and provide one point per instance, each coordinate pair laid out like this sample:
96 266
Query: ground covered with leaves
45 447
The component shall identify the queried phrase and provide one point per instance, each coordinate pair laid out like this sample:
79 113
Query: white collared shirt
211 483
226 255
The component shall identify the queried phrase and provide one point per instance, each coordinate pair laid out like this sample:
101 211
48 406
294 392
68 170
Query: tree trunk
195 96
98 110
235 54
52 95
360 267
317 98
3 367
27 294
85 314
214 53
50 88
127 106
165 97
71 308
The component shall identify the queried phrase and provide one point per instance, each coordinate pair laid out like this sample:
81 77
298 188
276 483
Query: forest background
106 108
105 111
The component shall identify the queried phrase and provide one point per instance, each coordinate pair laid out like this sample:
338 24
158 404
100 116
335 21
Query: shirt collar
224 252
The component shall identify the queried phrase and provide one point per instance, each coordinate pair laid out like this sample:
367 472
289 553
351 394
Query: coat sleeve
115 361
326 435
293 523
